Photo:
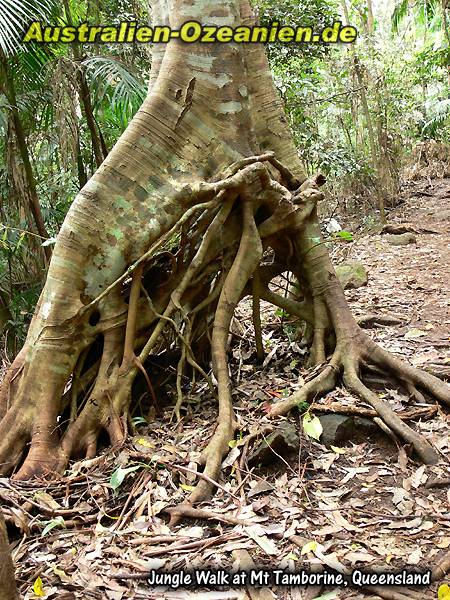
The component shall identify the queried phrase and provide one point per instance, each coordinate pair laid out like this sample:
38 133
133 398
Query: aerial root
246 261
11 374
348 360
100 395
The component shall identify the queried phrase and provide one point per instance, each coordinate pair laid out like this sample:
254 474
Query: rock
339 429
352 274
401 240
397 229
284 441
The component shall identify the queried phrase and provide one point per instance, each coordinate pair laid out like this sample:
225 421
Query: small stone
338 429
352 275
401 240
282 442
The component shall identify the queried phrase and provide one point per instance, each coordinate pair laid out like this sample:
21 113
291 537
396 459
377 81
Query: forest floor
361 504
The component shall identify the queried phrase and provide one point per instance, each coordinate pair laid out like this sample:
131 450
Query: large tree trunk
8 590
207 178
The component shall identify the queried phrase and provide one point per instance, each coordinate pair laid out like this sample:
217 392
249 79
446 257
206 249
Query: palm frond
112 78
399 13
15 16
427 13
438 111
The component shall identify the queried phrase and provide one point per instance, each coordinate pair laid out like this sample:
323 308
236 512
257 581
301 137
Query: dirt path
413 281
360 505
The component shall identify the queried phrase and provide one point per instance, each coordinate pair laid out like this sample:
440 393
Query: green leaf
303 405
345 235
308 547
56 522
312 426
14 18
119 475
186 487
338 450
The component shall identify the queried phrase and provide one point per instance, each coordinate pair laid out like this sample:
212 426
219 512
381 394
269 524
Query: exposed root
426 452
257 318
246 261
353 350
192 305
323 383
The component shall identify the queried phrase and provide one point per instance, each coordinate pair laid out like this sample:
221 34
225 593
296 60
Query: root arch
251 216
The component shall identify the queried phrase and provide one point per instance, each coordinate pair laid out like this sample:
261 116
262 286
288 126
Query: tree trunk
8 590
98 143
161 244
35 207
365 109
370 19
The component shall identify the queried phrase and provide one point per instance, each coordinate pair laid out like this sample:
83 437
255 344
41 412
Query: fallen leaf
338 450
415 557
312 426
38 588
405 524
414 333
309 547
263 542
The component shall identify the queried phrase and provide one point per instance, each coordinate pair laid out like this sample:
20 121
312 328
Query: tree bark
366 111
8 589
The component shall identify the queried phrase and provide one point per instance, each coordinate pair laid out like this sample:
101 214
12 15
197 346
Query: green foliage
119 475
437 116
303 406
344 235
318 14
51 524
118 89
312 426
15 15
